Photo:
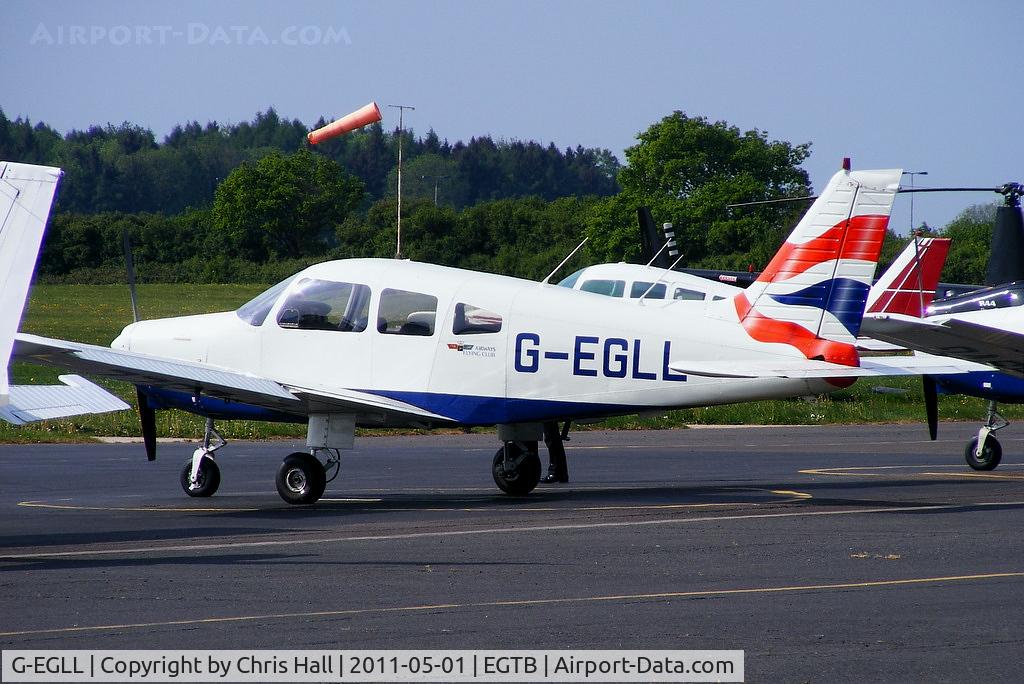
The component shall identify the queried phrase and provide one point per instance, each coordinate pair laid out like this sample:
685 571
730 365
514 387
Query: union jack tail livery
908 286
813 293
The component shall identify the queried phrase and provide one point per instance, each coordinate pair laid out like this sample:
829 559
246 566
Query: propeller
931 405
147 414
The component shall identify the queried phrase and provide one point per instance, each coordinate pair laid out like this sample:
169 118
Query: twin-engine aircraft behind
377 342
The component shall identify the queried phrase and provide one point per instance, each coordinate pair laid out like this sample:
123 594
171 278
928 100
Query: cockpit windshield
255 311
570 281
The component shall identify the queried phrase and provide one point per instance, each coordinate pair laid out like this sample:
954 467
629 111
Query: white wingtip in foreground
26 195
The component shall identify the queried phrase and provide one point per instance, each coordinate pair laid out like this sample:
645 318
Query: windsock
350 122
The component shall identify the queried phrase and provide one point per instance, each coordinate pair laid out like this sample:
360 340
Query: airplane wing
1000 349
221 383
875 366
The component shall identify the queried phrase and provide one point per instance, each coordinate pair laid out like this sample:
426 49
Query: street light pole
401 130
437 179
912 174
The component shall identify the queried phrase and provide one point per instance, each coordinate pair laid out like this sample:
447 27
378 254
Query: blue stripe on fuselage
1006 389
212 407
472 410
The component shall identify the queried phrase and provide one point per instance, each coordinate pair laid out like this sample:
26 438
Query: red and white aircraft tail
908 285
812 295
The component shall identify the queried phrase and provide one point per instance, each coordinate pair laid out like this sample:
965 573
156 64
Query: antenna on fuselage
547 280
663 274
658 254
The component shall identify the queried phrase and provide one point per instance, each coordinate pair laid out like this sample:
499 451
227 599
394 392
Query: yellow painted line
865 471
982 476
523 530
794 494
515 603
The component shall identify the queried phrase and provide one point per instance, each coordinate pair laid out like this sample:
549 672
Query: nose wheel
200 475
206 480
984 452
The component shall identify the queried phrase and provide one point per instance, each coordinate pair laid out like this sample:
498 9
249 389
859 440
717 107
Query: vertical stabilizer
908 285
813 293
26 193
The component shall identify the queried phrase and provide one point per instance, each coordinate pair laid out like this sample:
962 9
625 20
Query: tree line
253 202
123 168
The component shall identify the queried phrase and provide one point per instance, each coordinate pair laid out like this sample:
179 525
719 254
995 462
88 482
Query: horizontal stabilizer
77 396
875 366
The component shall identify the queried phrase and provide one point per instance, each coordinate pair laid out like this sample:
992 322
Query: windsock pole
401 110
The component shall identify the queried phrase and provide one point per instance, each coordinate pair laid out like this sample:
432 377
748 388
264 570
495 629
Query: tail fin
813 293
26 193
908 285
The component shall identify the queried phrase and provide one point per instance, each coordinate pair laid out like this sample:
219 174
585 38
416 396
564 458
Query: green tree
283 206
971 232
687 170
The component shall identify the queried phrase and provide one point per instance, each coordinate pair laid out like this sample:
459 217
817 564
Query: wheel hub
296 480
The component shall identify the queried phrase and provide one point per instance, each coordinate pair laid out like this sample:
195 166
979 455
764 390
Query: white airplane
378 342
907 287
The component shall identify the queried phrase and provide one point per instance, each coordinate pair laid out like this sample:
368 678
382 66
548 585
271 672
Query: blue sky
922 85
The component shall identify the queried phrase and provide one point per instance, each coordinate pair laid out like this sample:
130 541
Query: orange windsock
349 122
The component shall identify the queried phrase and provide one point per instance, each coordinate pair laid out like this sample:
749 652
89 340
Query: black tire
209 478
523 477
991 454
301 479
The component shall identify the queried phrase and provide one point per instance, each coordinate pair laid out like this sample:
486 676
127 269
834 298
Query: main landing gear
516 467
302 477
984 452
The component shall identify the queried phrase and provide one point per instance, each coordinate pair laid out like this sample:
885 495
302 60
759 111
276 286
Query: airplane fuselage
477 348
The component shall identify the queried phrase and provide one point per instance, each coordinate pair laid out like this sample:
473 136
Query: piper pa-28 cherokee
375 342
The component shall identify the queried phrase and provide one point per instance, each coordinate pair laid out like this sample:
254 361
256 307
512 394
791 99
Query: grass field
96 314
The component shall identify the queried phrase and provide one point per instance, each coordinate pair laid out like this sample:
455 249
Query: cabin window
687 295
326 305
610 288
406 313
255 311
716 298
639 287
472 320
